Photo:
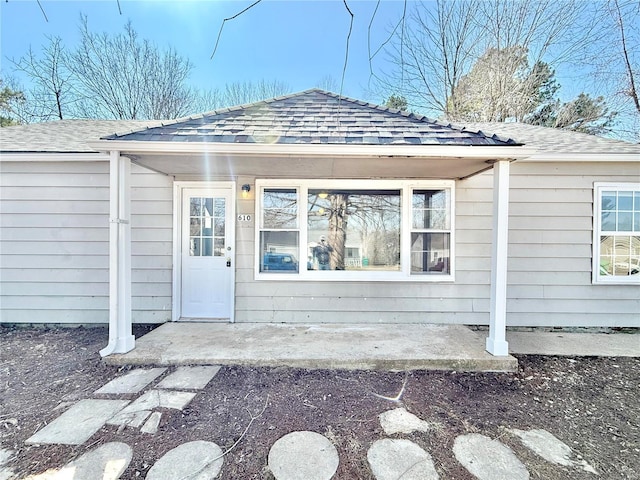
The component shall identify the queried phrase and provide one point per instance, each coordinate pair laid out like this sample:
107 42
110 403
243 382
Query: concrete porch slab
333 346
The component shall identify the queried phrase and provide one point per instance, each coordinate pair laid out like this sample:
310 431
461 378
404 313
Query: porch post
496 341
121 340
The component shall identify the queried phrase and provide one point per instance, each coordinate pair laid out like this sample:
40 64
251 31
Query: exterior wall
54 254
54 243
550 248
549 268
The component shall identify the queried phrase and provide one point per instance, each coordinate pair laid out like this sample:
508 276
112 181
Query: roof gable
312 117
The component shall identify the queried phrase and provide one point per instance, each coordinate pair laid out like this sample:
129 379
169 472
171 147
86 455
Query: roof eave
52 156
608 157
279 149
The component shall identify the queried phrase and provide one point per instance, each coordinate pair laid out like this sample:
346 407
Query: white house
217 217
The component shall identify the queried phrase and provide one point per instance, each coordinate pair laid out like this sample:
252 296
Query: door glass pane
195 228
195 207
219 247
207 226
207 210
194 247
207 246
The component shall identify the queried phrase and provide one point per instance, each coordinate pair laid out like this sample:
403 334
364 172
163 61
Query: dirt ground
591 404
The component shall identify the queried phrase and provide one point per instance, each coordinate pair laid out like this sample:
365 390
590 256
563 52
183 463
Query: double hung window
355 230
616 233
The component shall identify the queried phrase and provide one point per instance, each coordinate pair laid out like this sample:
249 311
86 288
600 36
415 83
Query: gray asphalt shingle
312 116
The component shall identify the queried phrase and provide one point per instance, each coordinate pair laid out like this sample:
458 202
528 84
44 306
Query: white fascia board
278 149
53 157
610 157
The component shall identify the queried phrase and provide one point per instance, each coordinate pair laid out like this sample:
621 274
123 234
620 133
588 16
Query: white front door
207 259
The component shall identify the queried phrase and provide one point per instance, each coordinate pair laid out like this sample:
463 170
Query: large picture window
355 230
617 233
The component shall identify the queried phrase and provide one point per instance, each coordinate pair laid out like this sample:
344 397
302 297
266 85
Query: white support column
496 341
121 340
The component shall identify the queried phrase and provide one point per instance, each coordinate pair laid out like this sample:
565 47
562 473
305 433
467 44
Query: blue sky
297 42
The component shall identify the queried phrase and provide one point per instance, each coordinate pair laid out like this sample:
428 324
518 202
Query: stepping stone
5 454
197 460
190 378
151 425
391 459
303 456
107 462
488 459
401 421
79 423
132 382
551 448
5 472
136 413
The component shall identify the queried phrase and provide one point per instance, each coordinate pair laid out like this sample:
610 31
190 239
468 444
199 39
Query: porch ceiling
205 165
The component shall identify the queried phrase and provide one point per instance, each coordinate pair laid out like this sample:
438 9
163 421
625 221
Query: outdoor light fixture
246 188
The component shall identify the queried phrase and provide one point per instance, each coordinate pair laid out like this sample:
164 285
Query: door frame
178 189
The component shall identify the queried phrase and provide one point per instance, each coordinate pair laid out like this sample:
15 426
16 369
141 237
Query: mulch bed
591 404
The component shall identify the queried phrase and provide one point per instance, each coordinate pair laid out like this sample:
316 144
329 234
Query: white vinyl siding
54 243
549 264
551 247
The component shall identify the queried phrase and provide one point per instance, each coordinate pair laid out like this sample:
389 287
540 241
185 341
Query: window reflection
353 229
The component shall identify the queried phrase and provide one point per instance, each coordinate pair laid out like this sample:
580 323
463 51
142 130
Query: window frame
597 278
405 187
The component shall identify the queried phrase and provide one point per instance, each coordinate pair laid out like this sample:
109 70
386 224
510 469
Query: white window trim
404 275
596 277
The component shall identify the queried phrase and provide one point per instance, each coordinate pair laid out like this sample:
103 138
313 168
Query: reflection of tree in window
280 208
369 218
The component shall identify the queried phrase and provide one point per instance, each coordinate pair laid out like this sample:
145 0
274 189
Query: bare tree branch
346 53
215 48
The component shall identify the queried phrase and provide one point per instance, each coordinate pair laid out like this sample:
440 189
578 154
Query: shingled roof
312 117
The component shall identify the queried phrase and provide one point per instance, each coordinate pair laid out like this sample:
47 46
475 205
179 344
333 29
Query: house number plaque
244 217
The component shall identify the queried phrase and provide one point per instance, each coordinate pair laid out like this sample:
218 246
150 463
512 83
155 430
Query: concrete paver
574 344
401 421
106 462
135 414
550 448
197 460
303 456
189 378
488 459
5 472
79 423
132 382
391 459
152 423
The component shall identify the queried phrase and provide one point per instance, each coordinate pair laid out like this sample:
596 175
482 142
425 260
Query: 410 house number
244 217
